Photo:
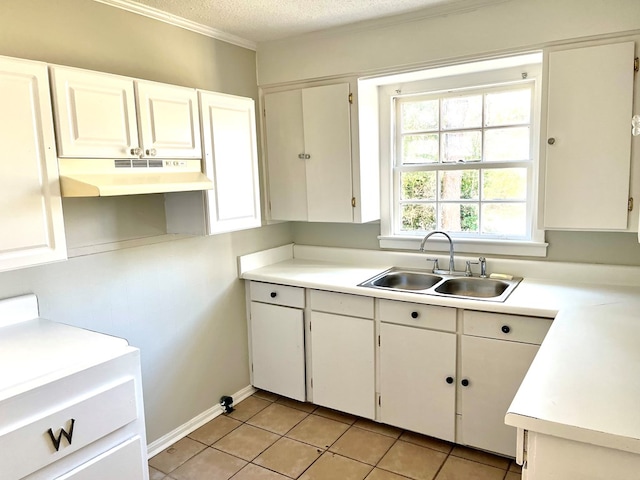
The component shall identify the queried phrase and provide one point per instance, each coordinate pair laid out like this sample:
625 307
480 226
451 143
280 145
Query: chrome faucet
451 261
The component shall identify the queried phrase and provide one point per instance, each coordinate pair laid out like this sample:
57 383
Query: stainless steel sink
406 280
420 282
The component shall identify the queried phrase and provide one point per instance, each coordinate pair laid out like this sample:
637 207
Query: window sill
475 246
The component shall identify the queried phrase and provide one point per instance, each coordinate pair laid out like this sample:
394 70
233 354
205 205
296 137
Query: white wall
379 47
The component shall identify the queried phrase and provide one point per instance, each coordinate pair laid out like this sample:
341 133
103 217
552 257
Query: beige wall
180 302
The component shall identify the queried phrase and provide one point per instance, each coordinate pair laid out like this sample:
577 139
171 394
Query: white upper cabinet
168 120
231 162
588 137
99 115
313 166
31 207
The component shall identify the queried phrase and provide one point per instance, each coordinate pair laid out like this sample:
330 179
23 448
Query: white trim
263 258
185 429
180 22
480 246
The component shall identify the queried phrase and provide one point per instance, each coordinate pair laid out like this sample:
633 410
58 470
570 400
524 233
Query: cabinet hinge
378 340
252 368
264 112
636 64
353 202
312 383
630 204
351 97
309 326
379 400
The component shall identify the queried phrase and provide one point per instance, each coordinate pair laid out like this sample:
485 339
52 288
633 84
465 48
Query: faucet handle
467 269
435 264
483 267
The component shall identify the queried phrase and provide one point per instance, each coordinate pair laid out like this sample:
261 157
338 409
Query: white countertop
584 384
535 297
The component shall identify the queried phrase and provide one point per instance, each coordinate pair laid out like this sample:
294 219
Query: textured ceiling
264 20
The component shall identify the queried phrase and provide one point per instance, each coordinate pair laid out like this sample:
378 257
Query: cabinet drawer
506 327
277 294
342 303
26 444
418 315
123 462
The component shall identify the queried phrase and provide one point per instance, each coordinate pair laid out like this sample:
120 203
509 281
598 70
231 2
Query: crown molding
180 22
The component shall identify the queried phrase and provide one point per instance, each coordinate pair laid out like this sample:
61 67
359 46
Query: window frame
470 76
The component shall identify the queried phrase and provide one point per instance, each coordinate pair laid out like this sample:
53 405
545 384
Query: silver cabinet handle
307 156
151 152
136 151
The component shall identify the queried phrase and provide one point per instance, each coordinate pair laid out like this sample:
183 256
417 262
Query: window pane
508 108
419 149
462 112
462 146
504 184
504 219
459 217
419 116
419 217
418 185
459 184
505 144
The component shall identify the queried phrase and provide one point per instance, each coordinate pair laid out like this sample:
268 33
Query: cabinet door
168 121
414 367
95 114
494 369
231 161
342 363
588 142
277 350
31 207
285 145
327 142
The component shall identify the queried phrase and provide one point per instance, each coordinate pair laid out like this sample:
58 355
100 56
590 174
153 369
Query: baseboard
185 429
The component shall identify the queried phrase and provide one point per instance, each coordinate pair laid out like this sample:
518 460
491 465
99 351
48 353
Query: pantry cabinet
586 140
315 171
99 115
31 207
418 368
496 351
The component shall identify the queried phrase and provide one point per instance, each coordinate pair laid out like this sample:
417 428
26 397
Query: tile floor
274 438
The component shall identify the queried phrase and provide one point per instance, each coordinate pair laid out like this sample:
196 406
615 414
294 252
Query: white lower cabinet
342 352
418 368
440 371
277 339
492 368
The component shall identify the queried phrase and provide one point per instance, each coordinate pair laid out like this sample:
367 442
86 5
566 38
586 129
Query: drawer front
506 327
55 432
418 315
277 294
123 462
342 303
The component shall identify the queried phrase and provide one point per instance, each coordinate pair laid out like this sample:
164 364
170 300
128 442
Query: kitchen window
462 157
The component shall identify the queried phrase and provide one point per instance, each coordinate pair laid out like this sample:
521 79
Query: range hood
96 177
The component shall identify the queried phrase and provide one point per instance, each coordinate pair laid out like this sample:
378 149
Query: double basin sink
421 282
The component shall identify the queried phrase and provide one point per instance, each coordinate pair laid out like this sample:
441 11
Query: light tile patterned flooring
274 438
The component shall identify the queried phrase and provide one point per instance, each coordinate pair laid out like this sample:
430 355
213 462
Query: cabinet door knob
273 294
301 156
136 151
551 141
465 382
414 314
307 156
505 329
449 380
151 152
